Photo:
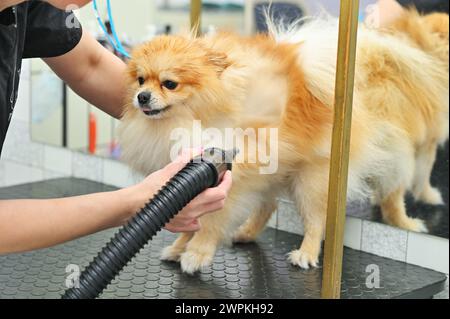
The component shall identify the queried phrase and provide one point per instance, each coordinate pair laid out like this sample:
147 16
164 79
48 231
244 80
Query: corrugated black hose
201 173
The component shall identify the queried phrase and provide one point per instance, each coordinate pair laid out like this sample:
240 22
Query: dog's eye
141 80
170 85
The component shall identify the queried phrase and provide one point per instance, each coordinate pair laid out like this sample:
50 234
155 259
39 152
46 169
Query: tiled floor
12 173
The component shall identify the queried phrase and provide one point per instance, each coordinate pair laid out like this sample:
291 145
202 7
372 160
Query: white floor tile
428 251
14 174
118 174
384 240
58 160
353 233
87 167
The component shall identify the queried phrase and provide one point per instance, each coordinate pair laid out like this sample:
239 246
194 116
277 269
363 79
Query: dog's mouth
150 112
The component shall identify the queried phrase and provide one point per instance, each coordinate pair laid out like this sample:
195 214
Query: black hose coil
196 177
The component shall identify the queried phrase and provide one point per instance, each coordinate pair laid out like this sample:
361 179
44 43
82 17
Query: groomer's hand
187 220
383 13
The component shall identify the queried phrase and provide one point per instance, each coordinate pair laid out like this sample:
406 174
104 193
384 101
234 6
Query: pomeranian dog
285 80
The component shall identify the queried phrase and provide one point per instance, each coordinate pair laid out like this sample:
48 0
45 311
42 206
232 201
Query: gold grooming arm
337 191
196 16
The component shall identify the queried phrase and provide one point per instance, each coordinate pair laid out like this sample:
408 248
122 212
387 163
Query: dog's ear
218 59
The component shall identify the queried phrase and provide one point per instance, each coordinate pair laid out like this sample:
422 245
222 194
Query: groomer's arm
32 224
94 73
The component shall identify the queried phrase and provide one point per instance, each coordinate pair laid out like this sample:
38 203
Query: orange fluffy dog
286 81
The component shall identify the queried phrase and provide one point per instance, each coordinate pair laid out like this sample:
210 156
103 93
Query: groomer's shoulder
50 31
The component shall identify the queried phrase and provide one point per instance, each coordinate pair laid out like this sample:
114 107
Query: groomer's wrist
133 199
129 202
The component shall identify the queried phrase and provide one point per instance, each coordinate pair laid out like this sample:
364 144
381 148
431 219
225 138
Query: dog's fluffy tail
318 36
439 24
298 30
430 32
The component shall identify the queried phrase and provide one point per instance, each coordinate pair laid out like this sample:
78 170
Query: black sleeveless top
29 30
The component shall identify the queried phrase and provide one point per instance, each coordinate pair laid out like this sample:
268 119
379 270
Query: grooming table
258 270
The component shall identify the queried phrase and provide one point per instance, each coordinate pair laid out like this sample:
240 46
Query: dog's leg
314 217
310 190
422 189
201 249
394 212
174 251
219 227
256 223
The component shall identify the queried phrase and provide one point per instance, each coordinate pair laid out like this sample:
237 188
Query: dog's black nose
144 98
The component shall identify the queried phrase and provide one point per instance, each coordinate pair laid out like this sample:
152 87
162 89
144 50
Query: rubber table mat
258 270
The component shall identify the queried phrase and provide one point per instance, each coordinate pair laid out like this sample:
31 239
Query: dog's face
174 76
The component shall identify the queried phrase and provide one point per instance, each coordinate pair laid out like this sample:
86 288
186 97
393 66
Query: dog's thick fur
286 81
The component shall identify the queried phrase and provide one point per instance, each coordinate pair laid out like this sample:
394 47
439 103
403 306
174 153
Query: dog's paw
417 225
431 196
243 237
171 253
410 224
303 259
193 261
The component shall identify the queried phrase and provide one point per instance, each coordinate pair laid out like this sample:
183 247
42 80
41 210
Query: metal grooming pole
337 195
196 16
